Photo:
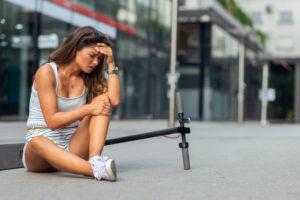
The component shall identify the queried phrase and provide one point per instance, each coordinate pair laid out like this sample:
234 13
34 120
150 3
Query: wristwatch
113 71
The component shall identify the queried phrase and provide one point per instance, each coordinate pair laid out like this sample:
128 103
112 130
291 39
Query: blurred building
140 30
280 20
208 54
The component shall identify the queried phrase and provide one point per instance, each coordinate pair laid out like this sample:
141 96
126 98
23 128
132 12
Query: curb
11 156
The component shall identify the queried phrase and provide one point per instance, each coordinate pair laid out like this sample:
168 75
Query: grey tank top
36 119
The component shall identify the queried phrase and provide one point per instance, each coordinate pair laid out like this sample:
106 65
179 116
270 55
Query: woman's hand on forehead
103 49
106 51
101 45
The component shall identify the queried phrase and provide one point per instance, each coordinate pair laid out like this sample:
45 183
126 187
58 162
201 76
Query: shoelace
98 164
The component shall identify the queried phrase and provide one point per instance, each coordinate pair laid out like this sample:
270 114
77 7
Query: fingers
103 49
101 44
104 104
106 110
103 97
107 106
106 100
103 109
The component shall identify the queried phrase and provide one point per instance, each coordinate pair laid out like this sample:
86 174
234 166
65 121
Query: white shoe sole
111 170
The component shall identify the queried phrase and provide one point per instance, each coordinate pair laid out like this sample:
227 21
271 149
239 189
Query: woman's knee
39 142
34 159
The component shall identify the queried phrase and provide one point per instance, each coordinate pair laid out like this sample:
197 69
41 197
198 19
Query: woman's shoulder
44 74
45 70
46 67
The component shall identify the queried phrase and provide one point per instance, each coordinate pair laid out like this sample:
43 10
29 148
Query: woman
70 107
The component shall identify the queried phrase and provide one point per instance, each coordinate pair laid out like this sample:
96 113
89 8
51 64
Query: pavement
228 162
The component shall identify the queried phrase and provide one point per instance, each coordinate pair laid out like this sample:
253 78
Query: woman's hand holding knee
101 105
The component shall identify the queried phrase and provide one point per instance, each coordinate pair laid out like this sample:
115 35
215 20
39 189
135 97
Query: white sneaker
104 168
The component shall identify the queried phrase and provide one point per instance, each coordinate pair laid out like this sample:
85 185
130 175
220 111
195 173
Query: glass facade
282 81
253 84
16 58
190 71
208 58
140 30
222 77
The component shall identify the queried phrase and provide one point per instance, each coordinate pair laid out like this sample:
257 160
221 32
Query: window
188 46
285 18
256 17
285 43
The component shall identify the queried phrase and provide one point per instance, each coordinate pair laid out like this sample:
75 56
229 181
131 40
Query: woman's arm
45 86
114 88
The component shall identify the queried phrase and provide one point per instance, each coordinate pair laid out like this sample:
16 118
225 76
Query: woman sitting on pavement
70 108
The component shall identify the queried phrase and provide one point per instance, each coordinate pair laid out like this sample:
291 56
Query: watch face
113 71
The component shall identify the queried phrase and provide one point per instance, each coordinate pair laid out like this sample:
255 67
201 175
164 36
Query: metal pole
172 76
264 94
185 153
182 130
184 145
297 93
241 86
178 101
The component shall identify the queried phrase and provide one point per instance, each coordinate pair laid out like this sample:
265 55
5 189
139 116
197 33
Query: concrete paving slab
227 162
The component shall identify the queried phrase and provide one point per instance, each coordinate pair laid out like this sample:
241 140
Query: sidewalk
227 162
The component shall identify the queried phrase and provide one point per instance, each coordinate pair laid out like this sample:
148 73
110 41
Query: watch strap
113 71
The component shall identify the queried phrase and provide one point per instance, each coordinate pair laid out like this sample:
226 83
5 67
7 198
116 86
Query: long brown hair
78 39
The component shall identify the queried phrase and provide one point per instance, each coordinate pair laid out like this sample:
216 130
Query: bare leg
79 142
97 131
89 138
42 154
57 157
